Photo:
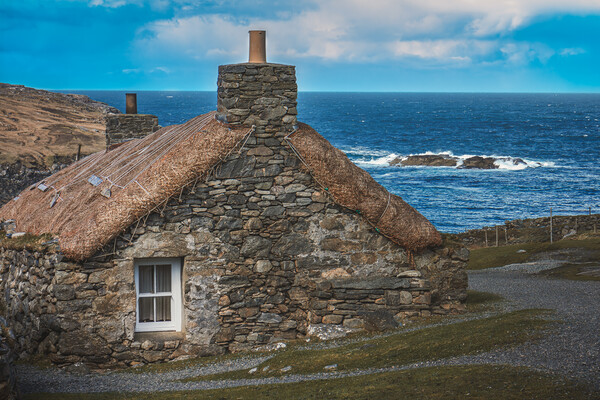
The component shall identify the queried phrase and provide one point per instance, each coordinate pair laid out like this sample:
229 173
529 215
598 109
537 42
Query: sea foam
507 163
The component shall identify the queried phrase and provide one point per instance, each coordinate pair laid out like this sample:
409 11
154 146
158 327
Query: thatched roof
353 188
92 201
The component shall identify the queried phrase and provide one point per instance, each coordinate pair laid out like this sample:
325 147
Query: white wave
507 163
377 162
363 151
511 164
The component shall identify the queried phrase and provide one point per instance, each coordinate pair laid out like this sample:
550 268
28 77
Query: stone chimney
258 93
131 125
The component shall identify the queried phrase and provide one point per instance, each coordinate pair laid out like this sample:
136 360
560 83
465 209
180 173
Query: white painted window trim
176 299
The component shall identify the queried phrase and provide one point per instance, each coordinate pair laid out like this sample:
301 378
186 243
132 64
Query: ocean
556 135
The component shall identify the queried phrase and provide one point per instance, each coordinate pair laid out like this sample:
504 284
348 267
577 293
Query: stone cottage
237 229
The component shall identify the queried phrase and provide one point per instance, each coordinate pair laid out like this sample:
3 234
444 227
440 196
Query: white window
158 295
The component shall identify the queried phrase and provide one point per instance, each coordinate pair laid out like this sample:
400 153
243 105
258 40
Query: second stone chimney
258 93
131 125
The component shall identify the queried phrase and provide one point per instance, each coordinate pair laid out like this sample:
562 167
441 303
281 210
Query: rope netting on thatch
92 201
354 188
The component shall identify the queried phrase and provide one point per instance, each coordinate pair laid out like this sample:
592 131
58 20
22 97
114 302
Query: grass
571 271
26 242
434 383
476 302
481 301
183 364
490 257
429 343
432 343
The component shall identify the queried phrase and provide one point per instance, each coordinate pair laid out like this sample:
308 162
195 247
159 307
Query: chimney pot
258 48
131 103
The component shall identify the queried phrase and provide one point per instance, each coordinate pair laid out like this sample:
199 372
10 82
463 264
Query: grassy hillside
38 128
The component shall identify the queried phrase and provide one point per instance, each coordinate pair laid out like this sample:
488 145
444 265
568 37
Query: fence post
486 242
550 224
505 235
496 235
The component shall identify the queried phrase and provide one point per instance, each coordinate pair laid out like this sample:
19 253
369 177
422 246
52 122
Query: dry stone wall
8 376
14 178
531 230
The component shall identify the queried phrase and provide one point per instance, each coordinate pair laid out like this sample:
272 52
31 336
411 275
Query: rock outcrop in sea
447 160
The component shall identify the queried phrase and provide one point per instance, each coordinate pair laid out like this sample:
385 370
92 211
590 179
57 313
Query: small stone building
234 230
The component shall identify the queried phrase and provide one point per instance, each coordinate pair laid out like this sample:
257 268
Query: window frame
176 298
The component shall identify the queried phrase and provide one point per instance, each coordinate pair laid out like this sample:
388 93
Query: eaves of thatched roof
90 202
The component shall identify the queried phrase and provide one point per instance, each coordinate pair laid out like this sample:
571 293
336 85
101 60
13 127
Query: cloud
112 3
459 50
456 32
572 51
525 53
162 70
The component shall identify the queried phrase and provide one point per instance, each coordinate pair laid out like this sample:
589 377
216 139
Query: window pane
146 309
163 278
163 308
146 278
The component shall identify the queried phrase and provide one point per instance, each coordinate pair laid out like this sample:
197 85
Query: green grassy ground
476 302
428 343
482 301
489 257
404 348
437 383
572 272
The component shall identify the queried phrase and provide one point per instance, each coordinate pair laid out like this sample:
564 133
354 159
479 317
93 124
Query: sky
336 45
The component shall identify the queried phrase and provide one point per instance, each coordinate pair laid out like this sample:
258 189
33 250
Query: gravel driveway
572 349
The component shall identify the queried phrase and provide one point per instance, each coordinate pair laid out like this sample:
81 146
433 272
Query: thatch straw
141 174
355 189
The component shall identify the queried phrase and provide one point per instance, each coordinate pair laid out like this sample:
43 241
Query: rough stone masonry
266 256
123 127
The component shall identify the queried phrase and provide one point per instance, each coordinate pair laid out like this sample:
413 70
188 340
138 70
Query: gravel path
572 349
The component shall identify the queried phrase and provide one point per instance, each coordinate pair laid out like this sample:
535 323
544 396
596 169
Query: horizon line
336 91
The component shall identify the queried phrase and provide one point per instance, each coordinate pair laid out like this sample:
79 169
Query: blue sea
557 136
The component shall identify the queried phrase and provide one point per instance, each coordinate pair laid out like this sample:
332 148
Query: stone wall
14 178
8 375
123 127
531 230
263 95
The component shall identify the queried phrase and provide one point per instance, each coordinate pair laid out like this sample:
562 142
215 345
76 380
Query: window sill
158 336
